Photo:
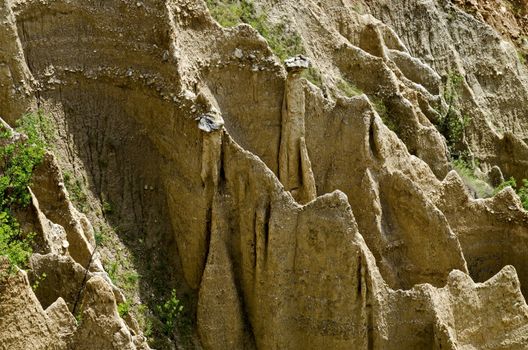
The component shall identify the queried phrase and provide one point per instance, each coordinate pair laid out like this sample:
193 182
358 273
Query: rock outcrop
295 169
295 216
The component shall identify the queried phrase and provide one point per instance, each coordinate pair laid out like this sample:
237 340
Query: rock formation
312 203
295 169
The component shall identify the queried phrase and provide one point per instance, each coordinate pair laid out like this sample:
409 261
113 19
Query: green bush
14 245
38 279
112 271
123 308
522 191
510 182
18 160
170 313
100 237
452 123
107 207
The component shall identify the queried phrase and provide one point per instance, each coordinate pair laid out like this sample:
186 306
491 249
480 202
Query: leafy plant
79 317
38 127
510 182
123 308
453 123
18 158
129 280
13 243
145 319
107 207
100 237
38 279
522 191
169 313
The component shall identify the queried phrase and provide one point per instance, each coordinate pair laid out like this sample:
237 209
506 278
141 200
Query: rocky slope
360 208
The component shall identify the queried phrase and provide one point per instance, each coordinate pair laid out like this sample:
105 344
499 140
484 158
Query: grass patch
480 188
283 41
121 273
100 237
313 76
76 190
111 269
359 8
18 158
348 89
521 57
381 108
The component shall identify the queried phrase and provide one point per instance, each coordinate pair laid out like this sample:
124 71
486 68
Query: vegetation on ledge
18 156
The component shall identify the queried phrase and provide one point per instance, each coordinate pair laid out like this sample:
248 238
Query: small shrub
507 183
170 312
100 237
38 127
19 159
453 127
123 308
13 243
107 207
147 327
38 279
452 123
79 317
129 280
283 41
453 84
522 191
131 277
112 271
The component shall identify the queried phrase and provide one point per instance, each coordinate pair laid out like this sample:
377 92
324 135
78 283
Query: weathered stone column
295 169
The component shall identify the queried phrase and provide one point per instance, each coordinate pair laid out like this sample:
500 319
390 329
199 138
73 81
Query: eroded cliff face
289 215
